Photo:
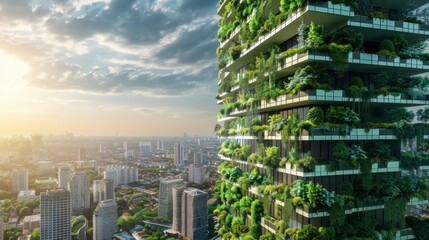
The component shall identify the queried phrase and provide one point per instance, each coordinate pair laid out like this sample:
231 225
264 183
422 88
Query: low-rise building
27 195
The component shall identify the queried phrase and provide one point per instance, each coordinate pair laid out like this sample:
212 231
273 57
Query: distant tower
20 180
165 209
194 214
104 220
78 185
82 154
145 149
197 173
125 146
101 148
160 145
55 211
63 176
103 190
179 154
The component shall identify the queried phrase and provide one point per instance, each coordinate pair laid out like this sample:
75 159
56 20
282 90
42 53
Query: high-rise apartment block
82 154
63 176
145 149
104 220
315 99
194 214
103 190
160 145
55 212
177 193
179 154
20 180
121 175
165 209
197 173
78 185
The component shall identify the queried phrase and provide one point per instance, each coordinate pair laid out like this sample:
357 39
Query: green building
314 121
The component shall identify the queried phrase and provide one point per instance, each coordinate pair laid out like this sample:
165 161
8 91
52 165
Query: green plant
387 48
340 153
316 35
315 115
399 42
348 37
342 115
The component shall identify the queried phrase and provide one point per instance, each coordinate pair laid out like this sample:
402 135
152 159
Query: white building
31 222
55 211
26 195
145 149
63 176
121 175
20 180
160 145
103 190
197 173
78 185
104 220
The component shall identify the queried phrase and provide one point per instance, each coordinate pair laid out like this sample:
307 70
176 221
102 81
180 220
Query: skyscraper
177 207
63 176
78 185
103 190
20 180
82 154
197 173
179 154
104 220
160 145
55 211
314 97
121 174
165 209
145 149
194 214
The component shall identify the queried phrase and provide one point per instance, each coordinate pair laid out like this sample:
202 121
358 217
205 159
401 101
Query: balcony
321 170
325 13
339 135
376 29
319 96
359 62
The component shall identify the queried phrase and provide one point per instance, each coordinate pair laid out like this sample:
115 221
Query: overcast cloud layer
148 48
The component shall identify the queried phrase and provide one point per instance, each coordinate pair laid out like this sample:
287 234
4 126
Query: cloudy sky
97 67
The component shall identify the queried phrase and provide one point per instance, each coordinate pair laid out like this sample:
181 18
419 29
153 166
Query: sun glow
12 71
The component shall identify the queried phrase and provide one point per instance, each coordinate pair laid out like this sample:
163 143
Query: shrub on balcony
272 157
340 153
342 115
315 115
309 77
387 49
348 37
316 35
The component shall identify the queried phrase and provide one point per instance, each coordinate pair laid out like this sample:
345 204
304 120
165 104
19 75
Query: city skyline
101 67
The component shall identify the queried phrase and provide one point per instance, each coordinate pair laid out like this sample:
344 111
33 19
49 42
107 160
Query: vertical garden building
315 118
